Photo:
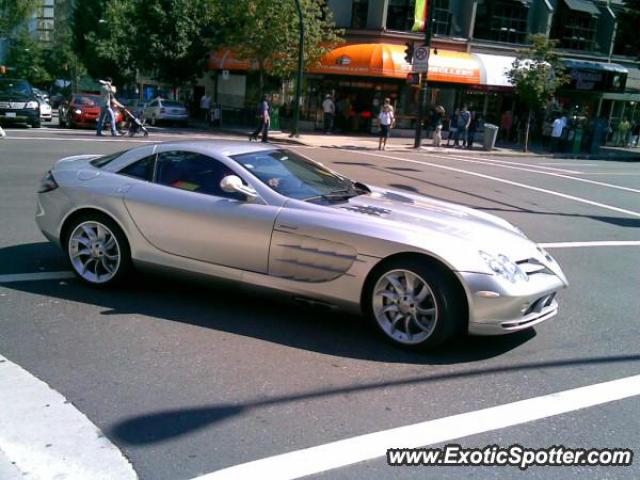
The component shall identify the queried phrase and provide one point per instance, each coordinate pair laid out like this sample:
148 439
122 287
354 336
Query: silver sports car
422 269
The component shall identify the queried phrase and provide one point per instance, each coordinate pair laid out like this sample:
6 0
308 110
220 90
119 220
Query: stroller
134 124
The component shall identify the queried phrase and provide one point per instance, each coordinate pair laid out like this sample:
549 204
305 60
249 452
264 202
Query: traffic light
408 52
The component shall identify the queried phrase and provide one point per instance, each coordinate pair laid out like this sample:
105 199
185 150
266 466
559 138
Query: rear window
102 161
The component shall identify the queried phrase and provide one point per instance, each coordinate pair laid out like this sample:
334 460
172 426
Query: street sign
420 59
225 74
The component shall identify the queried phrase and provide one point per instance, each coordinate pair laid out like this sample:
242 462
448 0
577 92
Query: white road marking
570 164
505 162
345 452
47 437
577 179
508 182
28 277
622 243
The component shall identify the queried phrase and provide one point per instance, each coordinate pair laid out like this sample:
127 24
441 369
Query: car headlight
77 111
32 105
504 267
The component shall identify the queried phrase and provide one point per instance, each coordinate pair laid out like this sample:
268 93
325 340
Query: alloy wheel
405 307
94 252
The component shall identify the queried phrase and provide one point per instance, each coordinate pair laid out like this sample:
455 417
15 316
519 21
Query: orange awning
387 61
377 60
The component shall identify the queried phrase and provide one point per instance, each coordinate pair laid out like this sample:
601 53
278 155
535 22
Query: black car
18 103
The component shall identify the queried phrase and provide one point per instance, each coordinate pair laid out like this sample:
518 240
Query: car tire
415 318
97 250
36 124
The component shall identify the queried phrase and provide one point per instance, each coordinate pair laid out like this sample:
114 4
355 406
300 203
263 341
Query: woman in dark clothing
473 128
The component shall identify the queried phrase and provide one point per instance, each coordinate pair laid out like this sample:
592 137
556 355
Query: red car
83 110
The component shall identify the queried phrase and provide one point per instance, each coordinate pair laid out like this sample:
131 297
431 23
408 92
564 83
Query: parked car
421 269
45 110
18 103
83 110
163 110
41 94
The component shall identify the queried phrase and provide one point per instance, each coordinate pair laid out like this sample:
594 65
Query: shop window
441 17
400 15
359 10
502 21
573 29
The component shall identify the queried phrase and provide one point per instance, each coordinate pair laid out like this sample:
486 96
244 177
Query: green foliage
267 33
537 72
13 13
26 58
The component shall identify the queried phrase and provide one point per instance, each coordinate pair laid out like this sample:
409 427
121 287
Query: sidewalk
404 144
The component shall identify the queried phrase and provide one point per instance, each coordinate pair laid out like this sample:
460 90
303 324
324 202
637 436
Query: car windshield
296 177
86 101
15 87
169 103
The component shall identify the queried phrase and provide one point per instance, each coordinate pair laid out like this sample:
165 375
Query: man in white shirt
205 106
386 121
329 111
557 127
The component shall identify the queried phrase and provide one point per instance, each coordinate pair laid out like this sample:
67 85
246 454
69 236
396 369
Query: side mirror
233 183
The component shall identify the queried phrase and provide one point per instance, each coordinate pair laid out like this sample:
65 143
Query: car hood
442 219
14 97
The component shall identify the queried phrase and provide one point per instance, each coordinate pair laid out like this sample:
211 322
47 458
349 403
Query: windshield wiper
337 195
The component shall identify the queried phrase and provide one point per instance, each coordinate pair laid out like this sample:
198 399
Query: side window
194 172
142 169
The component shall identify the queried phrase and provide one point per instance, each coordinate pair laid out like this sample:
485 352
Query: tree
13 13
266 33
26 58
536 74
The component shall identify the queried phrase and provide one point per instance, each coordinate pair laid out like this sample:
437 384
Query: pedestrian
264 121
506 124
328 111
623 132
438 113
464 120
453 128
386 121
205 106
473 128
635 135
2 134
107 92
557 128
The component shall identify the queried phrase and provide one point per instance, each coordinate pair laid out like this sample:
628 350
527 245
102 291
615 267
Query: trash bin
577 140
275 118
490 136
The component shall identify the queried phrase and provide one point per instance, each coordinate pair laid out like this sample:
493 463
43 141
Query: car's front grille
13 105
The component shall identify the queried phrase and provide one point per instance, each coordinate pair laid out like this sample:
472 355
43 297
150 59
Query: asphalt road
190 378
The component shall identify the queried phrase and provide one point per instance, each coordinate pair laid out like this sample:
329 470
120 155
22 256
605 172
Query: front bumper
497 307
19 116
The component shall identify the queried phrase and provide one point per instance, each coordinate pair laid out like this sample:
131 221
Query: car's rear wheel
415 304
97 249
36 123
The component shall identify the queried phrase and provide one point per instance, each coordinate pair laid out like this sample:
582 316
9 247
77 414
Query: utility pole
296 106
428 25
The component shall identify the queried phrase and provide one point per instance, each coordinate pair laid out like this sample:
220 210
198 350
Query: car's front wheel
415 304
97 250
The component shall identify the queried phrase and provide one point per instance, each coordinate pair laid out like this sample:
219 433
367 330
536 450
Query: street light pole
428 24
296 107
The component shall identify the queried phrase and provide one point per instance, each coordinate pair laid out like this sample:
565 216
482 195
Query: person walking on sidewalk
205 107
264 121
557 127
464 120
107 93
329 112
623 132
386 121
453 128
438 113
473 128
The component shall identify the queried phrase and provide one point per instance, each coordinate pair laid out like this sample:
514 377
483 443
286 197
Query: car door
184 212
